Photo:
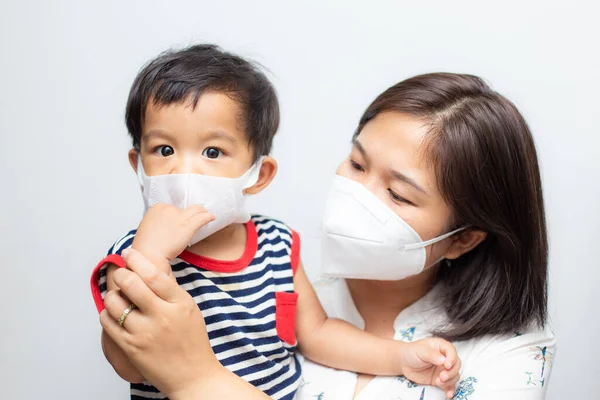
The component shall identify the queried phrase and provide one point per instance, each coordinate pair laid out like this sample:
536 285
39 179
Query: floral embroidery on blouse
545 356
409 384
465 388
407 334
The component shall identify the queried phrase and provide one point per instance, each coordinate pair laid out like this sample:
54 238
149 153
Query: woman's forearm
221 384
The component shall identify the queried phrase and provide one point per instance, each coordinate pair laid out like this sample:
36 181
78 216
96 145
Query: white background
67 191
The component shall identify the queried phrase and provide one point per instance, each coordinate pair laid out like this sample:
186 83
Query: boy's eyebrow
397 175
155 133
220 135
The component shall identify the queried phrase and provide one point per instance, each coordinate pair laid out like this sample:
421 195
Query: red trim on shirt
95 285
227 266
295 254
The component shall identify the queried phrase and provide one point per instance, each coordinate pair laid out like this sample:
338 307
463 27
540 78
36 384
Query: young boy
202 123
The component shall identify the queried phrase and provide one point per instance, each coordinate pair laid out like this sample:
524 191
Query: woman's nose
371 184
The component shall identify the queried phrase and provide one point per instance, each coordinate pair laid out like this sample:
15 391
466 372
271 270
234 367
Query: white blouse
494 367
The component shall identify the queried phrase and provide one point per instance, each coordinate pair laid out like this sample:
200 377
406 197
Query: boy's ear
268 170
133 159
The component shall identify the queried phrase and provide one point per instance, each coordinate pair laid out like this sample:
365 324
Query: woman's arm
113 353
166 339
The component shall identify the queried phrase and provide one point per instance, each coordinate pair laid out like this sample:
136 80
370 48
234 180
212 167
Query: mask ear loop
253 174
431 241
140 171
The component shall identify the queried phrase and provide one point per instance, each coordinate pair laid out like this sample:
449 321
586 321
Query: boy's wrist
160 260
398 355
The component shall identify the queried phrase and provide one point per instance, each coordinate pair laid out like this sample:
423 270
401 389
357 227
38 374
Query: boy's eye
212 152
164 151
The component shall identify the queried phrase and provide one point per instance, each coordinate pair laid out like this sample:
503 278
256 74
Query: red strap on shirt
95 285
295 253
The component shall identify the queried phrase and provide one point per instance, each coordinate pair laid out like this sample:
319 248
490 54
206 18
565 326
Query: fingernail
124 253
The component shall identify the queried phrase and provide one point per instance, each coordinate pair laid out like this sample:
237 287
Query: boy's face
207 139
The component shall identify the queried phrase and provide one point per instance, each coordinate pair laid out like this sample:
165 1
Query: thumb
432 355
160 283
197 217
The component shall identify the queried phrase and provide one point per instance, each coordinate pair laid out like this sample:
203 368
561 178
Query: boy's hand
433 362
165 231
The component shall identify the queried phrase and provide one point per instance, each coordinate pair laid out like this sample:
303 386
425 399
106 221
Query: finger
448 387
197 221
194 210
449 351
153 279
451 387
454 371
135 289
112 329
432 355
115 304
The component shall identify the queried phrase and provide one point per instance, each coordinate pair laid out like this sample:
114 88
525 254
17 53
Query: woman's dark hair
178 76
487 170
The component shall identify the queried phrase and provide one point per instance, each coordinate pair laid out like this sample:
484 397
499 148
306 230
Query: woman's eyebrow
361 149
397 175
401 177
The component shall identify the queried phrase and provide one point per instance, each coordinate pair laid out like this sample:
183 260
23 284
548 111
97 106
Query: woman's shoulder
504 364
525 341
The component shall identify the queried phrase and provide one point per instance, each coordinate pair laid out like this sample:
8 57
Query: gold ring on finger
126 313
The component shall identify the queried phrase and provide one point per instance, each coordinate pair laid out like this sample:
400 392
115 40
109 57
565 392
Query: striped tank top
249 305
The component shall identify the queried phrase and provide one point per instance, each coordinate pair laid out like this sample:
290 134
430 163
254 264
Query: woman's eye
212 152
356 166
164 151
398 198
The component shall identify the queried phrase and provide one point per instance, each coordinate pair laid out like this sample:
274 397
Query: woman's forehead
396 141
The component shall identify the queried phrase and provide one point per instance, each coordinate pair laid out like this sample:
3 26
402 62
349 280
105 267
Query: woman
435 226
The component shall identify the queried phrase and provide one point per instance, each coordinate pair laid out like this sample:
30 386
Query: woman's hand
165 337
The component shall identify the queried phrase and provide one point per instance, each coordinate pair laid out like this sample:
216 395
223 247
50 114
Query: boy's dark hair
486 166
184 75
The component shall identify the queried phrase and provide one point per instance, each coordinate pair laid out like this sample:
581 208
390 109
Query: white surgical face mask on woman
222 197
364 239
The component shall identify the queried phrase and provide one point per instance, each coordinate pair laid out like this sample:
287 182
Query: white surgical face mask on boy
223 197
364 239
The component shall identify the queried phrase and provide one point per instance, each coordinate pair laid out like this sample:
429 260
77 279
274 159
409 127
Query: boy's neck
227 244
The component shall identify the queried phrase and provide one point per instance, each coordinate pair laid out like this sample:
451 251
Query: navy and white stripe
240 311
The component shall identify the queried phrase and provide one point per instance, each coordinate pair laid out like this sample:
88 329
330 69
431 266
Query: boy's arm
338 344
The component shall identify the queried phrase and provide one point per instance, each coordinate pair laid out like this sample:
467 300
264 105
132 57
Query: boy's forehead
213 112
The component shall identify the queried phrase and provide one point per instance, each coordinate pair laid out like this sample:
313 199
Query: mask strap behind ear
140 171
253 173
432 241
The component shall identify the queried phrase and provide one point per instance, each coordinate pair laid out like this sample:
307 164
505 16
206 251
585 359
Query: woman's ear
133 159
464 242
268 170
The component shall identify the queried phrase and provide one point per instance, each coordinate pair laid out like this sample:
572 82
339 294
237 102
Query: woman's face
388 159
